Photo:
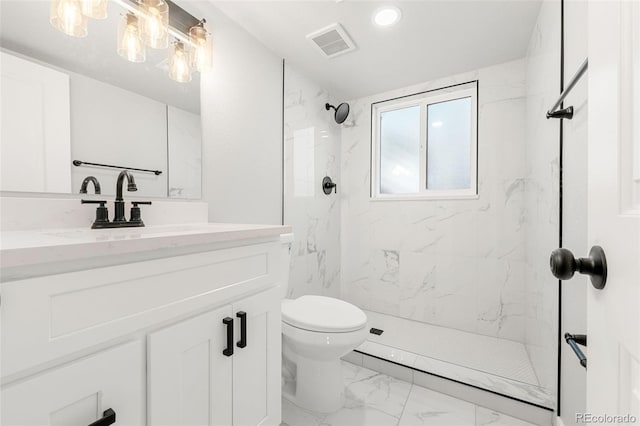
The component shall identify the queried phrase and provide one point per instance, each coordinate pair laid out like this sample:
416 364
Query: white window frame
424 99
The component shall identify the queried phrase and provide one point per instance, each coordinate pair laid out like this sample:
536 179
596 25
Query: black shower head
341 112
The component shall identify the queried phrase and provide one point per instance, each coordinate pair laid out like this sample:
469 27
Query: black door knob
564 264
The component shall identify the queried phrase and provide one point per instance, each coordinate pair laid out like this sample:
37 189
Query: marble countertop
20 249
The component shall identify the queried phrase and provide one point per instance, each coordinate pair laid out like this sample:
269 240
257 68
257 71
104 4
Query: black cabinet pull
108 418
242 343
228 321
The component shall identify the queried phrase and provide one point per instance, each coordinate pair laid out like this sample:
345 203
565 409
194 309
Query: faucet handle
102 213
135 212
101 202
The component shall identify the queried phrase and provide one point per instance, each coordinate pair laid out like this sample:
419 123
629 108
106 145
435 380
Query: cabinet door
257 366
189 380
78 393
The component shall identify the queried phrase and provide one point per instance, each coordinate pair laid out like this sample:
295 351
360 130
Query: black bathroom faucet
119 221
119 203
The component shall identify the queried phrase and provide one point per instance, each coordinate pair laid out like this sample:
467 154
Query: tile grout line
406 401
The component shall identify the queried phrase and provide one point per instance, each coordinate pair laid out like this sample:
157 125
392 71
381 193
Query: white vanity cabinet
80 392
203 372
148 338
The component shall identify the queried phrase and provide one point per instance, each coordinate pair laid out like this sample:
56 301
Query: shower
341 112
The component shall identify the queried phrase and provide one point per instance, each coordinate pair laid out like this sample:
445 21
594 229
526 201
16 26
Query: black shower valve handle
328 185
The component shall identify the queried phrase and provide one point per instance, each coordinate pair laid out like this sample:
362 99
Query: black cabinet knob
564 264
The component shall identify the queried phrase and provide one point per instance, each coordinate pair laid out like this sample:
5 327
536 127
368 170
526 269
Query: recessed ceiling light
387 16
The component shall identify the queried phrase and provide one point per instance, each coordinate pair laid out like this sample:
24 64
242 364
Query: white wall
574 208
455 263
541 195
312 151
242 125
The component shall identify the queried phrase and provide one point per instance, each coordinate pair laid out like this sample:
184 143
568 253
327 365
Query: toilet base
319 385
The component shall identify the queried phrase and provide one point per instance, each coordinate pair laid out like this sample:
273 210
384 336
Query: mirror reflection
116 91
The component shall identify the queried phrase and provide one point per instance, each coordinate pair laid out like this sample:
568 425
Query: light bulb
179 66
155 23
66 15
130 44
201 53
96 9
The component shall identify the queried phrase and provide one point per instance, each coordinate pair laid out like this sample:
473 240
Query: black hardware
242 343
135 212
81 163
85 182
567 112
376 331
564 265
119 203
228 351
561 113
341 112
108 418
102 214
328 185
574 340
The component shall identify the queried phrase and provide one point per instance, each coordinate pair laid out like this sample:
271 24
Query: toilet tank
286 241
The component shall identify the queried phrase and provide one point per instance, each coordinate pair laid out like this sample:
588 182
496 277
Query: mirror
69 99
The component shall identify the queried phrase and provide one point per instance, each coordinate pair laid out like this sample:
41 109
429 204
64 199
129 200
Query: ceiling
25 29
432 40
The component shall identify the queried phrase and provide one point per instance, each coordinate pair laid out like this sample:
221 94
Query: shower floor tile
375 399
491 363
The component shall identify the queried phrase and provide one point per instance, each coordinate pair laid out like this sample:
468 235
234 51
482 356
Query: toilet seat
323 314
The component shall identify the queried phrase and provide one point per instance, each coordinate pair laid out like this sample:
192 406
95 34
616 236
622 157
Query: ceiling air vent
332 41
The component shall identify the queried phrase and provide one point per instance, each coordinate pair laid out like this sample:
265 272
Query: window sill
424 197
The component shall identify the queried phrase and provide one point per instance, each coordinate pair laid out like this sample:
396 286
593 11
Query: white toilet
316 332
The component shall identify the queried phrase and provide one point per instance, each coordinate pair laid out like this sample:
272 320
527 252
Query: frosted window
400 151
449 144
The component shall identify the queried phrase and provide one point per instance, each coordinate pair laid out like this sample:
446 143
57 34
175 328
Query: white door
189 379
613 323
79 393
257 366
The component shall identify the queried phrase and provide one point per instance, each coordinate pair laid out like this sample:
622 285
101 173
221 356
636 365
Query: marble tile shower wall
455 263
311 152
541 197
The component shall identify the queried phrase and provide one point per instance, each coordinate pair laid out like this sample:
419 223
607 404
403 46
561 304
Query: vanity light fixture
145 23
387 16
95 9
67 16
179 63
130 43
155 23
201 49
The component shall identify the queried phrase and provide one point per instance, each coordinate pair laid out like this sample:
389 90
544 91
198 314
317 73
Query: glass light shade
96 9
201 48
179 64
155 23
66 15
130 44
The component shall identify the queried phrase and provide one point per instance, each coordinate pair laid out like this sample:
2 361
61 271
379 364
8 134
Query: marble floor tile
426 407
374 399
369 389
487 417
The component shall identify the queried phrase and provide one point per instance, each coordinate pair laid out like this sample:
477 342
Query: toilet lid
323 314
